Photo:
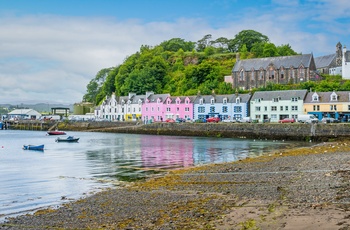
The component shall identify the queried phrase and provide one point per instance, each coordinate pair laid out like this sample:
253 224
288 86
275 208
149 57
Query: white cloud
51 58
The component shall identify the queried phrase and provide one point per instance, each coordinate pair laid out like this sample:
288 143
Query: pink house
153 107
179 107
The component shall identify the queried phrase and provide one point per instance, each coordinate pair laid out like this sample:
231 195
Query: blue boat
68 139
34 147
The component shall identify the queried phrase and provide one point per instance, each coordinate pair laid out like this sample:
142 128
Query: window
301 74
187 109
201 109
158 108
273 108
238 100
294 99
281 108
152 109
272 74
257 108
316 108
294 108
241 75
273 116
224 109
177 109
257 100
334 97
257 117
212 101
282 74
315 97
237 109
212 109
201 101
265 108
261 75
334 107
348 107
286 108
224 101
177 102
168 109
275 99
253 75
134 110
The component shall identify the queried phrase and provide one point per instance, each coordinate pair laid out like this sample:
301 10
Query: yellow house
328 104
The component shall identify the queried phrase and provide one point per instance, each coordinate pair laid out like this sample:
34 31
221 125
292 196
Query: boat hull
56 133
34 147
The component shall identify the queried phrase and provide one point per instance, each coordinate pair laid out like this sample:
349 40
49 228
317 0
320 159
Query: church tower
339 55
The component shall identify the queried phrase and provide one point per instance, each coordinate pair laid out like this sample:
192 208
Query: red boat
56 132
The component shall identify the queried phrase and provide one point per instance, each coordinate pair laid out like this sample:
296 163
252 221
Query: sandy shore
306 188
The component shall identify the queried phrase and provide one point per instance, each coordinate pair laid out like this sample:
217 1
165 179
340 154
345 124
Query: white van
307 118
245 120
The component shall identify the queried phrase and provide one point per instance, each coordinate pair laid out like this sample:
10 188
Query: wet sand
304 188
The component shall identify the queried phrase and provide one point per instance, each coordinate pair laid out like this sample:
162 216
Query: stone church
259 72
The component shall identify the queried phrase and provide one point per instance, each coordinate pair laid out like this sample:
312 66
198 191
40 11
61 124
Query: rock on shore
306 188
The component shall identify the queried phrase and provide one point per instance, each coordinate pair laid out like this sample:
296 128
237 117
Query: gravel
201 197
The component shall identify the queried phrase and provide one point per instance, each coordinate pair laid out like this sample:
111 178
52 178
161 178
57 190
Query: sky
51 49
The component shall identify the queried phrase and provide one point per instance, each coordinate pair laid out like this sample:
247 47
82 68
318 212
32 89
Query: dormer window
187 102
224 101
334 97
212 101
201 101
177 102
315 97
275 99
238 100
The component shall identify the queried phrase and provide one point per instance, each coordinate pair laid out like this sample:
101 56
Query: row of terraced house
260 106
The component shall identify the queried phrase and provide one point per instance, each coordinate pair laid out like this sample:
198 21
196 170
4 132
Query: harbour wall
271 131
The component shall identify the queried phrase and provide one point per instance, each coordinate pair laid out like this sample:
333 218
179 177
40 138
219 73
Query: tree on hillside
175 44
95 85
248 38
203 43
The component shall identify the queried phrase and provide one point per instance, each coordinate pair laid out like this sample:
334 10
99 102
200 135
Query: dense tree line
182 67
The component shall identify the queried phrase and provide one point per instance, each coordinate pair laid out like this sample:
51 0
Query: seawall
272 131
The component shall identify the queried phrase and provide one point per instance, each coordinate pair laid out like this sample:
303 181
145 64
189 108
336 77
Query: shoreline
290 189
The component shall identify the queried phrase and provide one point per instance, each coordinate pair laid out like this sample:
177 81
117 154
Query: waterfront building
131 106
328 104
23 114
276 105
230 106
153 107
179 107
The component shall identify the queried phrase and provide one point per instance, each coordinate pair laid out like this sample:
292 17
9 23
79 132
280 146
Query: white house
346 64
276 105
23 114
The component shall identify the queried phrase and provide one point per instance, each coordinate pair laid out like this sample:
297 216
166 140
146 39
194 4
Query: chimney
237 57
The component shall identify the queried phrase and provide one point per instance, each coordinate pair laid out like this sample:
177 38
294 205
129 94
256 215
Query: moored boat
34 147
68 139
56 132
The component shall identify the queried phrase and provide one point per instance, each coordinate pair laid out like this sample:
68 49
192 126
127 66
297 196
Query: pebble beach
303 188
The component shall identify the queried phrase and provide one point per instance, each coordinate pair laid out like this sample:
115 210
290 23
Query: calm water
64 171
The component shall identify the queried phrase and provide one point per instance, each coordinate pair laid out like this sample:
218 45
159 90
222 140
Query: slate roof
324 61
282 94
278 62
154 97
182 99
231 98
325 97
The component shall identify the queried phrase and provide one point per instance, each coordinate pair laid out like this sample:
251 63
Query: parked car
329 120
307 118
179 120
203 120
245 120
170 120
213 119
229 120
287 120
